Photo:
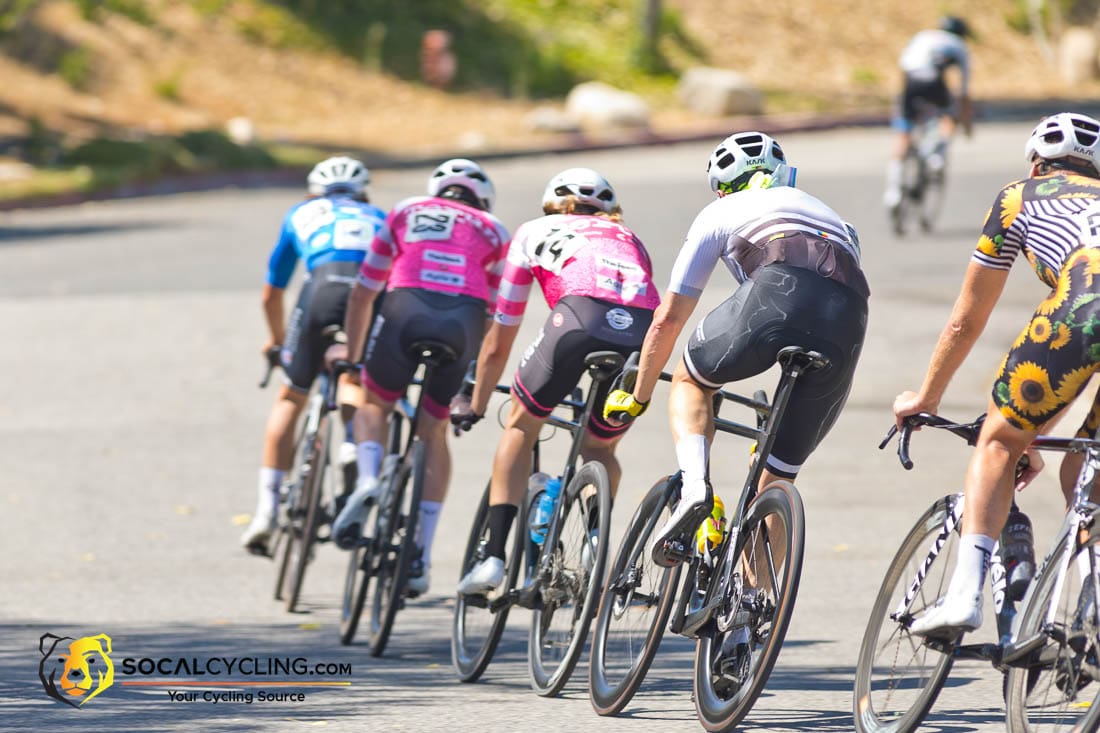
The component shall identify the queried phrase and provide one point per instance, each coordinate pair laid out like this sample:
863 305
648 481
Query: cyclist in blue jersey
330 231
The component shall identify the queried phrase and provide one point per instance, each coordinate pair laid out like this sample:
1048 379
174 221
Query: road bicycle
385 553
1050 653
922 178
563 574
311 490
735 601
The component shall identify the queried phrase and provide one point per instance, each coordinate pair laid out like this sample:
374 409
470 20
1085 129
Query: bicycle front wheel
396 532
301 546
1057 686
571 580
479 619
356 585
634 608
734 658
899 676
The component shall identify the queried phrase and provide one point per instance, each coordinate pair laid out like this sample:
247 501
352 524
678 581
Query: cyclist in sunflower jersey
439 257
330 232
598 280
1053 217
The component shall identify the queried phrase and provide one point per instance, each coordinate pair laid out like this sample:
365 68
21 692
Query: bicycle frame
794 362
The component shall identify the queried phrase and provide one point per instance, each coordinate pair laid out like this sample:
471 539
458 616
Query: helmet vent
753 145
605 195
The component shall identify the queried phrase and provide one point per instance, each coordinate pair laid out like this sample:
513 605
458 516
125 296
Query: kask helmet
741 156
339 174
1067 136
468 175
956 25
584 185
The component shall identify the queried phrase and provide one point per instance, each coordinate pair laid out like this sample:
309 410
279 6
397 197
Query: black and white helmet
339 174
741 156
1066 136
468 175
584 185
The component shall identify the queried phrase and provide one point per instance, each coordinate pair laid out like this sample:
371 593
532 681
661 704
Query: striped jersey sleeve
515 284
376 266
1004 229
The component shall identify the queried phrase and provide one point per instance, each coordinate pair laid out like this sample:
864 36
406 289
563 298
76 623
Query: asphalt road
130 429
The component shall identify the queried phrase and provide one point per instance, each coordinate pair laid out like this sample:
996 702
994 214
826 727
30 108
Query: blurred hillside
347 72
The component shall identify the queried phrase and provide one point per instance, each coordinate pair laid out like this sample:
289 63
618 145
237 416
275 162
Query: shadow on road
18 234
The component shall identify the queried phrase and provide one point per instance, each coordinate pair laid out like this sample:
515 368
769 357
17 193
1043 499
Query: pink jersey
440 245
575 255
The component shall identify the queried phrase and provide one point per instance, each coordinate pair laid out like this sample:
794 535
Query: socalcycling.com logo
74 670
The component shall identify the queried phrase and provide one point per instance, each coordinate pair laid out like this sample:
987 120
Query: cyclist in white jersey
800 283
924 62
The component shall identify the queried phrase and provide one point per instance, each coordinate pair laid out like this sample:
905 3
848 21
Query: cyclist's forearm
491 359
272 300
357 319
660 340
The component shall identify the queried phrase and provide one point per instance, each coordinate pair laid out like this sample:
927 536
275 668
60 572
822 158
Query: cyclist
924 63
330 231
598 280
439 257
800 283
1049 363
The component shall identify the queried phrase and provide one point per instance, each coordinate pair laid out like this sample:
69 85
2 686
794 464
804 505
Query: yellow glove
622 407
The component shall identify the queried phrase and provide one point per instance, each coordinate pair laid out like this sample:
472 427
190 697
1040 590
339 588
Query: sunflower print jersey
1054 356
1036 215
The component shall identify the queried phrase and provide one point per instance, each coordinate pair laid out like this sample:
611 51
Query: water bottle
548 489
1018 548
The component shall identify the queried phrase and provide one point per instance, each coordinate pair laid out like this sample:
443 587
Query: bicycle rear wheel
396 532
898 676
569 591
912 189
634 608
1058 690
301 549
734 658
931 201
479 619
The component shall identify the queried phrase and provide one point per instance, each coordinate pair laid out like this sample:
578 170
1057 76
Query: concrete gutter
712 130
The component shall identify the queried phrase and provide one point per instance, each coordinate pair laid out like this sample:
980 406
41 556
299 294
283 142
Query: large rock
1077 55
719 93
547 118
595 104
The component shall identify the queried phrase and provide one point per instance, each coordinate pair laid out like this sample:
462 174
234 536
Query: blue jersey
321 230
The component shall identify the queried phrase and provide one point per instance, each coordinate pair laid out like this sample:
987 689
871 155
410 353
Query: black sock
500 521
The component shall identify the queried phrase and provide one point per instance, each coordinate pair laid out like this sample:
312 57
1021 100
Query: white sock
425 533
971 565
893 174
368 458
268 489
693 456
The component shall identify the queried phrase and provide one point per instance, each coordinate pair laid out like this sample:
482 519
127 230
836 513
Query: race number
430 225
552 250
352 234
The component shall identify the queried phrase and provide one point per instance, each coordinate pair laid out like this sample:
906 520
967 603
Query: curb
992 110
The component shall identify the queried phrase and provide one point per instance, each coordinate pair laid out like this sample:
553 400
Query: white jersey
755 216
930 52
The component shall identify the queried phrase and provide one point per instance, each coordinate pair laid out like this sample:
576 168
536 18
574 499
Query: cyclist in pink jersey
439 257
598 280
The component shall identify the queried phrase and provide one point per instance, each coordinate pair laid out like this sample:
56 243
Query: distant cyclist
1053 218
925 62
597 277
330 231
799 283
440 258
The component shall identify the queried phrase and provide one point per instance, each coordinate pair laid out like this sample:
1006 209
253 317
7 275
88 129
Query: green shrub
135 10
75 67
138 157
169 87
212 149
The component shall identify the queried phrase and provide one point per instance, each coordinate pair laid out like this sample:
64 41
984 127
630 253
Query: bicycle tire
609 690
356 586
281 547
573 579
318 463
912 188
1059 676
471 652
396 545
871 709
721 701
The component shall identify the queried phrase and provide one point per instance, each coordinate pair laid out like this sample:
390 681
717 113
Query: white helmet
339 175
740 156
583 184
1066 135
468 175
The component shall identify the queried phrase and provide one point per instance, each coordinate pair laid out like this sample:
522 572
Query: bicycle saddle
604 364
796 356
429 350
